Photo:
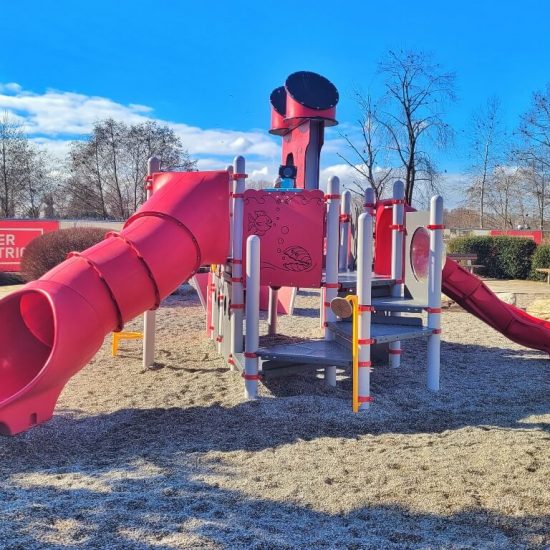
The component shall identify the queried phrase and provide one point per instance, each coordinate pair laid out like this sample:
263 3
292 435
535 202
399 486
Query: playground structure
249 243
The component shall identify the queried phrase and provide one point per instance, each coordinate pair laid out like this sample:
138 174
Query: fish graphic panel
291 230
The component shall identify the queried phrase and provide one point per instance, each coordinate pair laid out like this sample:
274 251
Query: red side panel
291 229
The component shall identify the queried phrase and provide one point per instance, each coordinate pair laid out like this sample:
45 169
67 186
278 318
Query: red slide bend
52 327
472 294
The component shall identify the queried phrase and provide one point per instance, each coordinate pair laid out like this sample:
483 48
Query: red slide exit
52 327
474 296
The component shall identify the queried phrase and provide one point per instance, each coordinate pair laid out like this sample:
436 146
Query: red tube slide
473 295
52 327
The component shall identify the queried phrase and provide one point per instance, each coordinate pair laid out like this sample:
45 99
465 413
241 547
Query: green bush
50 249
541 259
503 257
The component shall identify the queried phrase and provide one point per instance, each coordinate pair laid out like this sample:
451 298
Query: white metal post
232 185
398 228
252 337
150 317
435 268
331 264
345 218
237 293
272 311
364 298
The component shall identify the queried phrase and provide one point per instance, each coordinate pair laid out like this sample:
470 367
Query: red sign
15 235
537 236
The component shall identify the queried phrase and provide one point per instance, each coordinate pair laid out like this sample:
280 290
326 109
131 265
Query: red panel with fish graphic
290 225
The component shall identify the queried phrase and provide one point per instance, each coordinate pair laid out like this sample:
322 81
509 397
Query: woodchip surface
174 457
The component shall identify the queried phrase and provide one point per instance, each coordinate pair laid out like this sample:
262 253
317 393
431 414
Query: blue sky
208 67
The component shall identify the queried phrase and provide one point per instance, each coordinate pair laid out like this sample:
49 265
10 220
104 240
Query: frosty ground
173 457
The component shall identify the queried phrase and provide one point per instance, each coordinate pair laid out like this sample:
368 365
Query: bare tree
534 154
417 92
486 141
107 170
368 170
505 196
24 173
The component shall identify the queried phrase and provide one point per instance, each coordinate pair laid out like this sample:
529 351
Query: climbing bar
365 399
435 226
254 377
239 176
332 285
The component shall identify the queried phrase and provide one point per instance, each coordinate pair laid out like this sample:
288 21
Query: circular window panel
420 252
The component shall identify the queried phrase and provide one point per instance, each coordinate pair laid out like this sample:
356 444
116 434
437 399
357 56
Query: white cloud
59 114
10 87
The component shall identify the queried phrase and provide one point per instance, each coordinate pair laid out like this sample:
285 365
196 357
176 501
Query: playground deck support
331 264
150 317
398 221
364 297
345 219
252 337
435 270
237 293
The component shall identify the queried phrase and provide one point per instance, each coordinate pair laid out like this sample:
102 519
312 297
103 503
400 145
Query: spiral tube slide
52 327
473 295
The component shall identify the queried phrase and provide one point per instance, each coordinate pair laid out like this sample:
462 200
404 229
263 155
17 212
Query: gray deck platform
387 303
348 279
312 352
382 333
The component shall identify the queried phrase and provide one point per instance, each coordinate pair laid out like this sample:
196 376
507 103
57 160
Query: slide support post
150 317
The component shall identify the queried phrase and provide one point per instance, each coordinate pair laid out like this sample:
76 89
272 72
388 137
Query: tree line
400 131
101 177
402 128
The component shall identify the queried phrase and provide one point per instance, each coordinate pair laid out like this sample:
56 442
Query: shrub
541 259
503 257
10 279
50 249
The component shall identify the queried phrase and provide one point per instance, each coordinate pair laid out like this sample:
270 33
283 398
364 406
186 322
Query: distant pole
150 317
